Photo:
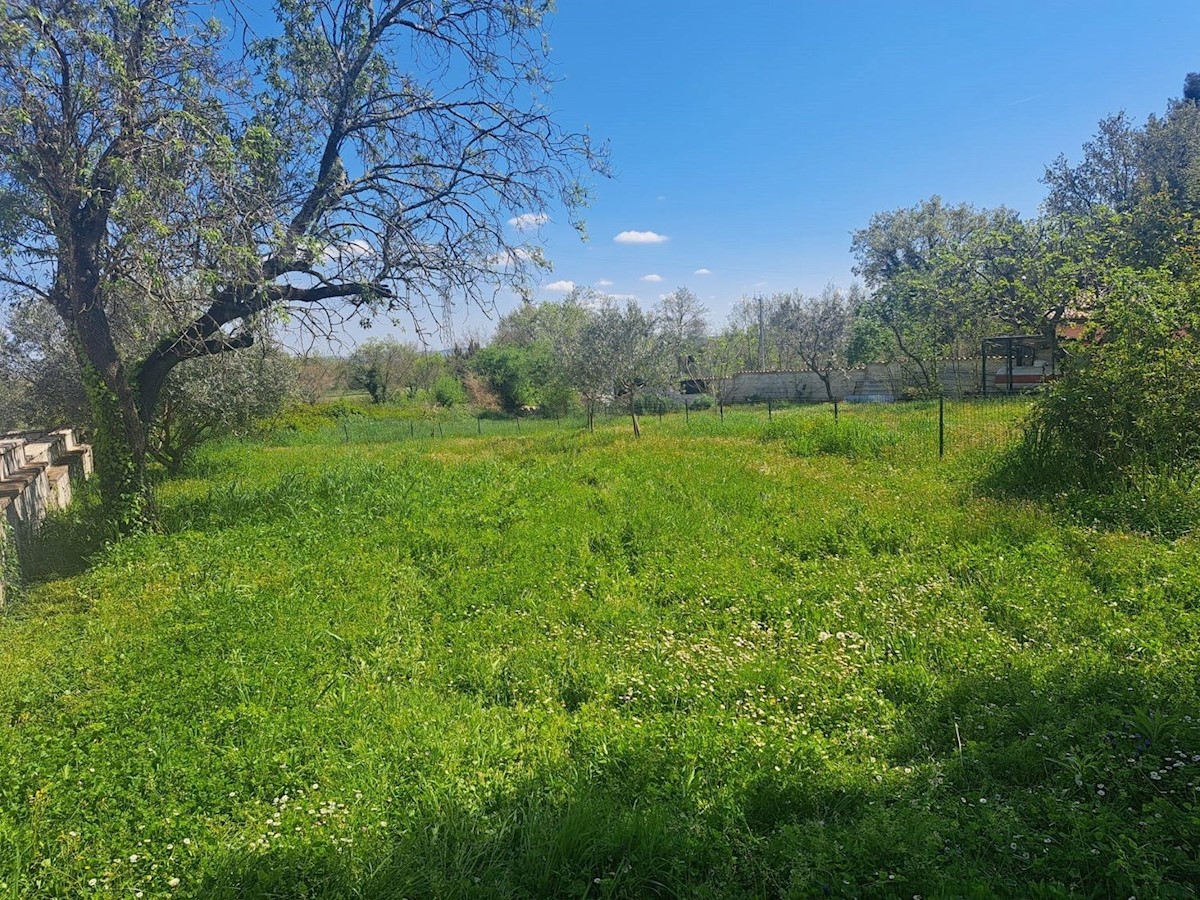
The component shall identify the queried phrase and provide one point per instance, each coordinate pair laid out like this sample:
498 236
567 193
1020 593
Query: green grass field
733 658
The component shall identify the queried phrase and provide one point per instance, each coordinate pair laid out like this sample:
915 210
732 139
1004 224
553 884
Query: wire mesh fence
923 429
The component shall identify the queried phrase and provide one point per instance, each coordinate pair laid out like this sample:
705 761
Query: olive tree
361 159
623 351
818 330
215 395
39 376
377 366
901 256
684 326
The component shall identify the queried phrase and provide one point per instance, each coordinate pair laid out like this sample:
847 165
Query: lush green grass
730 659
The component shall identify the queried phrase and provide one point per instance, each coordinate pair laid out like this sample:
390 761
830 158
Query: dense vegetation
733 658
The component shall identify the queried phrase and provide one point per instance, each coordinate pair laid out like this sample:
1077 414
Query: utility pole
762 333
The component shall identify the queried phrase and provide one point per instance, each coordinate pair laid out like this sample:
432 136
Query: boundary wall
876 382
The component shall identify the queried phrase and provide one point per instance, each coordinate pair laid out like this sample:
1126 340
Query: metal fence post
835 412
686 414
941 425
769 411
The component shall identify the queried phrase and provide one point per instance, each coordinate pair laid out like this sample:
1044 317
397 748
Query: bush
227 393
558 399
448 391
1127 409
701 402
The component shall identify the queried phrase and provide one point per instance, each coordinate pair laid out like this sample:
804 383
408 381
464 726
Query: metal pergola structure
1017 350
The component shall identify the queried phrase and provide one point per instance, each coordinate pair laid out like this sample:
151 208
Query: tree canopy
167 190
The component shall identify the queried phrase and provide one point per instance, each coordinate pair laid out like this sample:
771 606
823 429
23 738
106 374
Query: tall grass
571 664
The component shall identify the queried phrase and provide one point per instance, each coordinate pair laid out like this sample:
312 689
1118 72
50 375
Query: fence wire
916 429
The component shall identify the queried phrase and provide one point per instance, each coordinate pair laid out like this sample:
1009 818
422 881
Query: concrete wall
36 473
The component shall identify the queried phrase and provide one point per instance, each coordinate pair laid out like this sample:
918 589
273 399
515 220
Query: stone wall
37 471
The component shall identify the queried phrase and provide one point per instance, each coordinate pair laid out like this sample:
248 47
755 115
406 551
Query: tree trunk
121 438
826 379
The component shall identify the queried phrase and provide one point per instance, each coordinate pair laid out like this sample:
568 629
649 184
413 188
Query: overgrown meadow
734 658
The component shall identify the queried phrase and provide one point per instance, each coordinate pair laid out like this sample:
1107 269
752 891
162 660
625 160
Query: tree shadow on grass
534 845
991 786
67 541
1161 505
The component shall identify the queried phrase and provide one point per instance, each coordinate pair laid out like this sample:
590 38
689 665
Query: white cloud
702 272
510 259
347 251
640 237
563 287
604 282
653 279
528 221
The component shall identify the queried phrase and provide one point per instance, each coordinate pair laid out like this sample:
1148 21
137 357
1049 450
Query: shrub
448 391
1127 410
558 399
215 395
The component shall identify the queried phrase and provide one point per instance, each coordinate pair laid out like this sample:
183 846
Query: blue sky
757 137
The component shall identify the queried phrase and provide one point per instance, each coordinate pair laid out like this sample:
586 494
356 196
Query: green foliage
39 375
513 372
1127 410
532 360
124 490
215 396
310 418
381 365
448 391
911 261
652 405
10 564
